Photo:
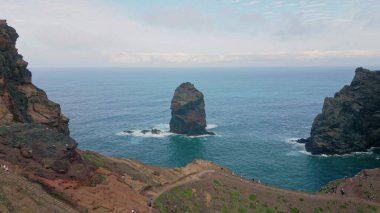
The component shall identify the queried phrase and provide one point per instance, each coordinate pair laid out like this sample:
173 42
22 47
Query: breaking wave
301 149
211 126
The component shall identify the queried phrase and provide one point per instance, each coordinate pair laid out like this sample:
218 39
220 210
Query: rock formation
188 111
34 134
350 121
20 100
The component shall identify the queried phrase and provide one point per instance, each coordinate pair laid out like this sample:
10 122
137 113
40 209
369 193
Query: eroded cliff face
188 111
350 121
20 100
34 134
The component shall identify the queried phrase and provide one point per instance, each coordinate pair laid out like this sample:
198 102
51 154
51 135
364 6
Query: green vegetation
252 206
318 210
216 183
294 210
234 197
102 178
4 201
183 192
344 206
158 204
360 210
372 208
330 186
184 199
252 197
282 199
301 199
95 160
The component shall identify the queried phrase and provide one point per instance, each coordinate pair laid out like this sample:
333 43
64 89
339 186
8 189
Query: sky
196 33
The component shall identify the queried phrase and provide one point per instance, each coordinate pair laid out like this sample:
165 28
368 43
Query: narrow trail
262 187
187 179
311 196
38 194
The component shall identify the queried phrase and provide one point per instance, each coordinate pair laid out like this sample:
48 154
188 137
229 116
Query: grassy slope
226 193
199 187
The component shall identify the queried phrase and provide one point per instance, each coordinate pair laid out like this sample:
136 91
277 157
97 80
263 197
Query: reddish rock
20 99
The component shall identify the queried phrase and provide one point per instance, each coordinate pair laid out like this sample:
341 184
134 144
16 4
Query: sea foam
164 132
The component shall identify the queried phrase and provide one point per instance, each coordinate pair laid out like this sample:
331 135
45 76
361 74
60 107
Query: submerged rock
350 121
145 131
153 131
156 131
20 100
302 140
188 111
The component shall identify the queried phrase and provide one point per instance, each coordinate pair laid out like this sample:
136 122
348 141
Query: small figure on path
342 191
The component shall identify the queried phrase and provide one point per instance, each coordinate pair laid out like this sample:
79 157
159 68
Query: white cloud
179 59
178 18
95 33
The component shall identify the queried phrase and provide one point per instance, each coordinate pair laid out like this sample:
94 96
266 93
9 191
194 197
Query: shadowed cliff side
350 121
34 134
20 100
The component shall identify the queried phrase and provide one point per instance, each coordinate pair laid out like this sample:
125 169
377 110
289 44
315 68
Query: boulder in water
188 111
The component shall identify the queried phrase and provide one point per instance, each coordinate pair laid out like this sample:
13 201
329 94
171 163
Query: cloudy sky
187 33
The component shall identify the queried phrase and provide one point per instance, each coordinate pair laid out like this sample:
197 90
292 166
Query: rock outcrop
188 111
20 100
350 121
42 151
34 134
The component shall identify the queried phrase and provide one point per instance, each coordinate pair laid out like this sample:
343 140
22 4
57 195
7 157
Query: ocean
254 112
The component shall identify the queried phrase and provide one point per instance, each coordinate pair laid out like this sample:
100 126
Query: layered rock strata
34 134
20 100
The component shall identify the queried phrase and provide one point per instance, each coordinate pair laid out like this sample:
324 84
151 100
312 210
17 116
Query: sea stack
350 121
188 111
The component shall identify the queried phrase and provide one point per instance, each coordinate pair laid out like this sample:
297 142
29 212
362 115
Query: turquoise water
253 111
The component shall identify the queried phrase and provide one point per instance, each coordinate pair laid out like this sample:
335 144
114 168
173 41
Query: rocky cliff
20 100
34 134
350 121
188 111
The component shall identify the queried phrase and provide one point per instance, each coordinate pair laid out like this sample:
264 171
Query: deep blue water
256 111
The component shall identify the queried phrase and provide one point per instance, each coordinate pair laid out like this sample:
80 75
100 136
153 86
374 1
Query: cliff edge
34 134
350 121
20 100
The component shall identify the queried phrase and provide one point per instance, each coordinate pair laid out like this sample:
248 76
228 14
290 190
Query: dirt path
37 193
311 196
187 179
